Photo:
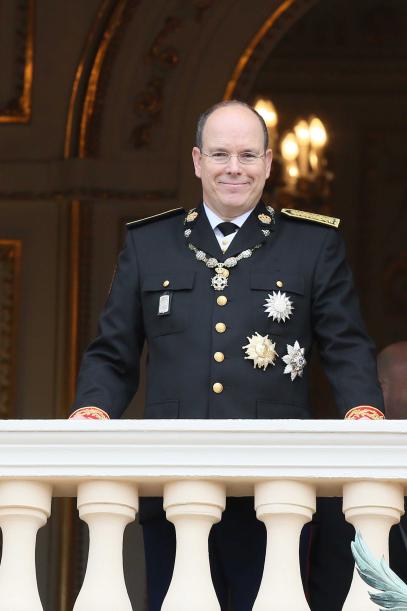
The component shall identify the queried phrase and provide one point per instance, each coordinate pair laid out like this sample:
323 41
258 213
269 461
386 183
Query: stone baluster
372 508
107 507
193 507
284 507
25 506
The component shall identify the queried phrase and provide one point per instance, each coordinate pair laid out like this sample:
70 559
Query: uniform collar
214 219
203 236
250 234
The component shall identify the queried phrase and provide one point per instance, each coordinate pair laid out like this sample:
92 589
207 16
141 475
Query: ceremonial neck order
222 268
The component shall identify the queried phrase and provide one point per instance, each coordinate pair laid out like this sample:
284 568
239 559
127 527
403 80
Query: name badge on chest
164 305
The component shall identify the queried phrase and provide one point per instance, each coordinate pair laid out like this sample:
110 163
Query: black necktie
227 228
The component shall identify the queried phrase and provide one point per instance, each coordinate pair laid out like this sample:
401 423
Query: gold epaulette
331 221
155 217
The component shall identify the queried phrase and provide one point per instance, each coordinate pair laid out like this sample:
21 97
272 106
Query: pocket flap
170 281
267 281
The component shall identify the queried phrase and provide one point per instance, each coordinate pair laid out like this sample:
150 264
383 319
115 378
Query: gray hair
204 117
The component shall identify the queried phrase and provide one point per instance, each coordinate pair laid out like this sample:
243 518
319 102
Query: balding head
232 185
225 104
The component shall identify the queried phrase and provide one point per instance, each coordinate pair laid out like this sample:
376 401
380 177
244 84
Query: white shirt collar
214 219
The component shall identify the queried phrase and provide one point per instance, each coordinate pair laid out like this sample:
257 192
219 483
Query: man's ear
269 159
196 158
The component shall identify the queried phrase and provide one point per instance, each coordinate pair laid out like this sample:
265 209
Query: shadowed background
98 105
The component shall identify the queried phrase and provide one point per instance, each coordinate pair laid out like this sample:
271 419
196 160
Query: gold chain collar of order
220 280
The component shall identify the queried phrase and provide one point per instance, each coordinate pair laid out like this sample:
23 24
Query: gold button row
220 327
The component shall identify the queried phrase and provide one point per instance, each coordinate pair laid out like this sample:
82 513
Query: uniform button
166 283
217 387
222 300
220 327
280 283
219 357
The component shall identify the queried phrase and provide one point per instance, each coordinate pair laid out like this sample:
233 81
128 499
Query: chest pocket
277 281
179 285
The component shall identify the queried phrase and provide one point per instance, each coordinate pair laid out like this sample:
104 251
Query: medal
219 281
295 361
264 218
222 269
278 306
192 215
261 350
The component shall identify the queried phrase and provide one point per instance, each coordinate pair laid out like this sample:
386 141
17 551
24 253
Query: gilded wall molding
81 75
93 91
162 57
97 84
92 76
18 108
10 263
280 20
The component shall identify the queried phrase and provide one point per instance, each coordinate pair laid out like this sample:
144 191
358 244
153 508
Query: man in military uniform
230 297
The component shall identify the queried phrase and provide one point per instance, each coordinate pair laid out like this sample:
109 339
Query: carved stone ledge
86 195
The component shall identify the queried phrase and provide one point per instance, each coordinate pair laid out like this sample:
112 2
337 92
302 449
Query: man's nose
234 166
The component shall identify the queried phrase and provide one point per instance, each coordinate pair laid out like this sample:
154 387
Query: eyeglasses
222 157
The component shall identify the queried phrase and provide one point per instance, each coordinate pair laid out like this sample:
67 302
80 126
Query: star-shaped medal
261 350
295 361
279 307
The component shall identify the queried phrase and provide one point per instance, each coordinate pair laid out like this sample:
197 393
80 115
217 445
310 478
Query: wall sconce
302 178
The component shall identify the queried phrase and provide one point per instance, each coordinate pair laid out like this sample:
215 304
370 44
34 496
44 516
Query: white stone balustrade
107 507
284 506
193 506
25 506
107 464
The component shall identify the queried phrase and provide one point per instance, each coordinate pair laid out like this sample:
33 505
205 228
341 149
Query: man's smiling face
232 188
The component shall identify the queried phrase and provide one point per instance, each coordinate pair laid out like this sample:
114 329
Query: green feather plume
378 575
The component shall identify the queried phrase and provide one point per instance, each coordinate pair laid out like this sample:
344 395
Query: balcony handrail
194 464
237 451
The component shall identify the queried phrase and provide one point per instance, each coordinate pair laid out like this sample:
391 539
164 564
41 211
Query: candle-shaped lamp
318 139
267 110
302 133
289 152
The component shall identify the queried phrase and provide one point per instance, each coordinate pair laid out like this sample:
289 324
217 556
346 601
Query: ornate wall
98 104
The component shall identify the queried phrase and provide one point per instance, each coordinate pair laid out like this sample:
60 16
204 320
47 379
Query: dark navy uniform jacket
306 259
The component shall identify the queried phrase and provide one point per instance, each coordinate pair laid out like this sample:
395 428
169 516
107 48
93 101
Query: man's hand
89 413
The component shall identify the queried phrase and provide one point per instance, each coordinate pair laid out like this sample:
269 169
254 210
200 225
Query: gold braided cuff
366 412
90 413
